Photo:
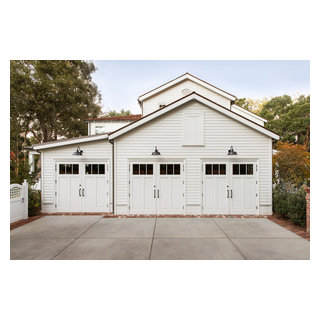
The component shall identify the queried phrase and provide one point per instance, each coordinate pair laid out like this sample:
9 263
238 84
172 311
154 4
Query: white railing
18 201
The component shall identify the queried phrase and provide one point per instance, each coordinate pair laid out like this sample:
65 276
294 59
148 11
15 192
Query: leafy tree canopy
113 113
291 167
51 98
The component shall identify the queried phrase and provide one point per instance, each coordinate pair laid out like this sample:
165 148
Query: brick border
19 223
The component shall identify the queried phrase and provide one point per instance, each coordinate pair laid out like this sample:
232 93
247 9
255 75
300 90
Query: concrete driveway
94 237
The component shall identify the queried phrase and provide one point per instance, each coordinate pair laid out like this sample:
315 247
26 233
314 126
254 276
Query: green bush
297 208
34 202
291 206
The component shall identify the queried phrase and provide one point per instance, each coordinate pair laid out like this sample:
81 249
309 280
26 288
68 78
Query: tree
113 113
50 99
290 119
252 105
291 167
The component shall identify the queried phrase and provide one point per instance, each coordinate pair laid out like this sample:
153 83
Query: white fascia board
182 78
70 142
194 96
249 113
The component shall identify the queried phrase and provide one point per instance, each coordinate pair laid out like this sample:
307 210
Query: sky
122 81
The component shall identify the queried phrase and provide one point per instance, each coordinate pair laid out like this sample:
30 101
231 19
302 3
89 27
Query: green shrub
291 206
297 208
34 202
280 204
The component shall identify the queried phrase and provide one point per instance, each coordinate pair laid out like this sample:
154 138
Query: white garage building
192 151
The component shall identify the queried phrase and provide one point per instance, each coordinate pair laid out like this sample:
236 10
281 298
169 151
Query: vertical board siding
99 150
174 93
167 134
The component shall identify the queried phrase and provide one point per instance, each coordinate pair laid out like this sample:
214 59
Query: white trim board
205 101
66 142
186 76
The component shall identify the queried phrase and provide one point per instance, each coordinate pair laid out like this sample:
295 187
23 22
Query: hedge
291 206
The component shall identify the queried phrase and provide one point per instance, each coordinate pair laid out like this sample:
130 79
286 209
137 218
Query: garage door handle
83 192
231 194
154 193
79 192
158 193
227 193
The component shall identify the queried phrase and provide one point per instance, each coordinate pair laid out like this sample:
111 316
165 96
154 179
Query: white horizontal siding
174 93
166 133
108 126
100 150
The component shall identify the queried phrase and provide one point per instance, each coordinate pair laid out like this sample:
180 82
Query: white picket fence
18 201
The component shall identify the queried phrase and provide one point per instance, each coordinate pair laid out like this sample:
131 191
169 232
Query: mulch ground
300 231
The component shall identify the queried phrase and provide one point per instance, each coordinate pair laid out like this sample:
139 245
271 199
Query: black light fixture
156 152
231 152
78 152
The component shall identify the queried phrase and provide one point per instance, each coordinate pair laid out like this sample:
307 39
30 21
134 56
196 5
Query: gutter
112 142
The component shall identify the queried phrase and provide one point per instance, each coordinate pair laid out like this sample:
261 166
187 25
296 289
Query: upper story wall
103 126
175 92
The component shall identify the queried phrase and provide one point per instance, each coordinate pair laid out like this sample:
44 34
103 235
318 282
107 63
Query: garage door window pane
250 169
135 169
222 169
163 169
169 168
101 169
68 169
215 169
208 169
142 169
62 169
94 169
150 169
243 169
75 169
235 169
177 169
88 168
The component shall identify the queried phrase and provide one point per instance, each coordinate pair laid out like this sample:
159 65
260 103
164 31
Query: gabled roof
70 141
182 78
183 100
130 117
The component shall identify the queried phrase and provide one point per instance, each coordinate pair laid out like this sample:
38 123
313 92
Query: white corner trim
66 142
182 78
200 99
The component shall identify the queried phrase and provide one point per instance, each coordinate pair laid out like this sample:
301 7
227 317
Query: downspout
111 141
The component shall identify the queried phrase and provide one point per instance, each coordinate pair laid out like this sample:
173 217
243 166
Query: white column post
25 197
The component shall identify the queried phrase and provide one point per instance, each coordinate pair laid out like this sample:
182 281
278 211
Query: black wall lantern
78 152
156 152
231 152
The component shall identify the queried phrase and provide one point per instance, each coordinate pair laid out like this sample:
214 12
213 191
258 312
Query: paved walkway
94 237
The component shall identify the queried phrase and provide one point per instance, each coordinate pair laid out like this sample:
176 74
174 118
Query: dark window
177 169
215 169
75 169
170 169
208 168
163 169
235 169
62 169
243 169
149 168
101 169
222 169
68 169
95 169
88 169
249 168
143 169
135 169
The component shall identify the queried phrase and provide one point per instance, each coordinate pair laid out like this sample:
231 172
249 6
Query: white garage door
230 188
82 187
156 188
